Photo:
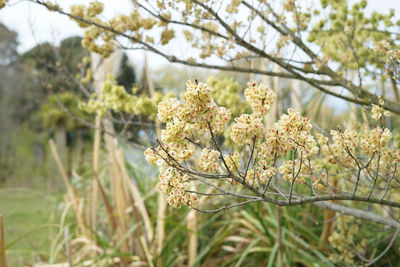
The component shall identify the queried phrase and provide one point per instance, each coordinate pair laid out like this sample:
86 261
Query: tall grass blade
73 196
192 238
146 251
137 197
272 255
246 252
93 198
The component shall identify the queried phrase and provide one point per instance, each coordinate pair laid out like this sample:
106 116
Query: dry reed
2 243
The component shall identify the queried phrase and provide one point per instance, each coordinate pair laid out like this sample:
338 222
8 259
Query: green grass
28 216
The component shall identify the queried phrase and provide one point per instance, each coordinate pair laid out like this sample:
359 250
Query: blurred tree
40 90
59 74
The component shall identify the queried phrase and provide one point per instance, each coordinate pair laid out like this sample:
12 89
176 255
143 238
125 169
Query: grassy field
28 217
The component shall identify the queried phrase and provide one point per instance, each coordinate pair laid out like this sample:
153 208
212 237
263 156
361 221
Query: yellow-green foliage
349 34
346 241
115 97
226 92
60 109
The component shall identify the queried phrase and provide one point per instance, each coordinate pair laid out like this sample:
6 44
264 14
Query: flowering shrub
285 165
344 239
115 97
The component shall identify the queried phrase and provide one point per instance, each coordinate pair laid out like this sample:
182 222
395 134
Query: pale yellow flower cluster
167 35
199 105
325 148
250 126
289 5
391 57
305 144
267 171
317 181
152 157
260 98
133 22
372 141
197 114
100 40
292 124
246 128
82 13
233 6
94 9
294 170
159 156
350 146
200 109
261 173
173 183
345 240
176 131
207 161
292 132
115 97
233 162
382 46
343 144
377 110
221 120
167 109
253 175
275 144
396 155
